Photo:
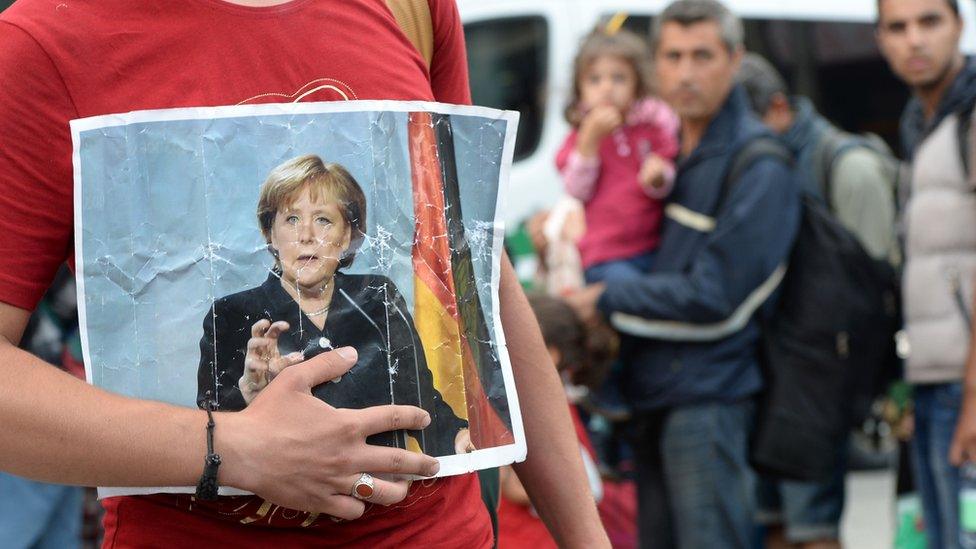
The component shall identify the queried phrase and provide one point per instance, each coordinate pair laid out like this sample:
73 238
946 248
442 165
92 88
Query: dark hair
761 81
623 44
690 12
953 5
585 351
324 181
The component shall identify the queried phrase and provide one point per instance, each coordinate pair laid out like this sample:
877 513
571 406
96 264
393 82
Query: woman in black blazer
313 216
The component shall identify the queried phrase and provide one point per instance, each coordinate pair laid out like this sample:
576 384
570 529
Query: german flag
448 312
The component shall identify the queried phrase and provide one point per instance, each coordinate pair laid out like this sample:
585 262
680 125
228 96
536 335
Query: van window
508 63
836 64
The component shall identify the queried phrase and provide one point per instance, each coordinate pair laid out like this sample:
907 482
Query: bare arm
553 473
287 446
512 489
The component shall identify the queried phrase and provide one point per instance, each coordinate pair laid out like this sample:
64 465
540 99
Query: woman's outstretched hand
263 360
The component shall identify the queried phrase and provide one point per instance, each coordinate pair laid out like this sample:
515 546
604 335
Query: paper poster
217 246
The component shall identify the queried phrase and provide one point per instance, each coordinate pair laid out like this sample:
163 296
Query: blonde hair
623 44
328 181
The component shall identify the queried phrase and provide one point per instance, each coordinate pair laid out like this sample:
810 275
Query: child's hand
655 173
597 124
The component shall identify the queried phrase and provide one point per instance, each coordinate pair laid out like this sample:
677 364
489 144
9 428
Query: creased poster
217 246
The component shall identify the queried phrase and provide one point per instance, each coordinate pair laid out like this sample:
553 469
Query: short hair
623 44
690 12
953 5
586 352
761 81
329 181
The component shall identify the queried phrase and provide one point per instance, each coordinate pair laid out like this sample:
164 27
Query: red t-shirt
66 59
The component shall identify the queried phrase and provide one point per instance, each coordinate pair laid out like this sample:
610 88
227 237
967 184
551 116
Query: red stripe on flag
431 247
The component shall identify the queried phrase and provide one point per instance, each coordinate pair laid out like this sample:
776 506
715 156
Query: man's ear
736 58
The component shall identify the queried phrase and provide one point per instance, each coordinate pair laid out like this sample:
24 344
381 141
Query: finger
380 419
385 492
279 364
321 368
277 329
259 327
956 452
254 369
344 507
261 348
259 344
396 461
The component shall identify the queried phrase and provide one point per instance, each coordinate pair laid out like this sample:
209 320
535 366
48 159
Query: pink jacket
623 219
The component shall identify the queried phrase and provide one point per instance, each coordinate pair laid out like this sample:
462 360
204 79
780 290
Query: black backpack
828 345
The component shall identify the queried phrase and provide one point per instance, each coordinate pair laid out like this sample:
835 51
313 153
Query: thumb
321 368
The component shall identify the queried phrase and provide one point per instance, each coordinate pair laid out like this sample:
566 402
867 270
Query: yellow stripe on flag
441 339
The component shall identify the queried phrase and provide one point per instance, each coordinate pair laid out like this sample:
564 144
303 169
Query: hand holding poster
217 247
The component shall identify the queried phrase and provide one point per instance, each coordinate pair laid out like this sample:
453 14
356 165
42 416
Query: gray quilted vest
940 258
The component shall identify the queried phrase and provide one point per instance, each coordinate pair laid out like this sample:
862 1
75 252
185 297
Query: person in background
854 181
691 325
618 161
920 41
618 158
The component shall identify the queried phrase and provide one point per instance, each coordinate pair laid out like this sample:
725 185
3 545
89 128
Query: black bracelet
207 487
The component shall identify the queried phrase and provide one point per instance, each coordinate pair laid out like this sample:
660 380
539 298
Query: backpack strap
414 19
963 138
760 147
832 143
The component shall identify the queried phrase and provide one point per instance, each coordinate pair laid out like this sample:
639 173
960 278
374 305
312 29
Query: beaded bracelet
207 487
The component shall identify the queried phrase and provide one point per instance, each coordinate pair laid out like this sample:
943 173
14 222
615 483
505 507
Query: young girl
618 158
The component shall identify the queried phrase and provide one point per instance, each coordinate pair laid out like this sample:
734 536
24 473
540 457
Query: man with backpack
855 178
691 326
920 40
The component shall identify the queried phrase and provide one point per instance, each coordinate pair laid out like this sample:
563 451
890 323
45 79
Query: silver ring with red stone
363 488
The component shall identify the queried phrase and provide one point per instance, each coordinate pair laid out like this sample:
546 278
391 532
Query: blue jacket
691 327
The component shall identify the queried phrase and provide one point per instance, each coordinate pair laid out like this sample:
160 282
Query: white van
520 56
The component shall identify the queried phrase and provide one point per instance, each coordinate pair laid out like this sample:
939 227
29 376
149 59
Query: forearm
553 472
59 429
